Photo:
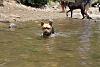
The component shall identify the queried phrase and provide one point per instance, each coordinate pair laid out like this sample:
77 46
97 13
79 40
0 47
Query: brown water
76 44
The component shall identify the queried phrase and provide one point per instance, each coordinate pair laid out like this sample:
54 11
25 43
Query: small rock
12 26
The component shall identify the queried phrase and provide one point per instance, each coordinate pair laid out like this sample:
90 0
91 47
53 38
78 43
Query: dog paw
89 18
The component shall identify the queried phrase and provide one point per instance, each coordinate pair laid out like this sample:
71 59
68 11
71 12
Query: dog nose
45 32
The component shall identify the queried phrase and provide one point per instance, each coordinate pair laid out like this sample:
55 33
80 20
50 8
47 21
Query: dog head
66 3
47 28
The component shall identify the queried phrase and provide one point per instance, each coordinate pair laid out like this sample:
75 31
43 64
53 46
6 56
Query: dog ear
50 22
42 23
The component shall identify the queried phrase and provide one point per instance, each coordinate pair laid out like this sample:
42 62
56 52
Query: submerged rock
12 26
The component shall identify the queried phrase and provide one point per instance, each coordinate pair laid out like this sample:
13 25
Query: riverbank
12 11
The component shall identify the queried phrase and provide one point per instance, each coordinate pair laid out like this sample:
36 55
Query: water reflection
85 44
49 45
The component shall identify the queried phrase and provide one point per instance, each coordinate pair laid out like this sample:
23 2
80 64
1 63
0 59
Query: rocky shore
12 11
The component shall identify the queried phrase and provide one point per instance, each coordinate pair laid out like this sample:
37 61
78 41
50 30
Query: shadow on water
72 46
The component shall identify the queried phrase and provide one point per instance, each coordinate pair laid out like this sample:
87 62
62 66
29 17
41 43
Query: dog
96 4
72 6
47 29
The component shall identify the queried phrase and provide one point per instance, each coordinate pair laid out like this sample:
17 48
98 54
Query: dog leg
71 13
88 17
82 12
67 12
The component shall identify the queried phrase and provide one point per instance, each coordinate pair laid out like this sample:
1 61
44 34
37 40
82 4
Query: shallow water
76 44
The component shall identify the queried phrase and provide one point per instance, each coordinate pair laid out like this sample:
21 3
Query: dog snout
46 32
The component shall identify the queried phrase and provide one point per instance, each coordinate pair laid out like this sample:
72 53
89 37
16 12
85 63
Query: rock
12 25
4 21
15 16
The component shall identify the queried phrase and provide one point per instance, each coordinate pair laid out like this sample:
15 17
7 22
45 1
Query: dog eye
44 28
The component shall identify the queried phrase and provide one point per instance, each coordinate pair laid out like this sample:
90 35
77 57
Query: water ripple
84 48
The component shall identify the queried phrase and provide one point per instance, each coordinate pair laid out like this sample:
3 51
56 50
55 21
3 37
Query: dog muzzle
46 34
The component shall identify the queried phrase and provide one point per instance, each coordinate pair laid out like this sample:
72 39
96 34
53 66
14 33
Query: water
75 44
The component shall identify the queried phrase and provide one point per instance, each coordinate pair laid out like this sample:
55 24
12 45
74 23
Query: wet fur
47 34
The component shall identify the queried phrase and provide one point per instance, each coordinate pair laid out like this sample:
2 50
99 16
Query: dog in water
47 29
72 6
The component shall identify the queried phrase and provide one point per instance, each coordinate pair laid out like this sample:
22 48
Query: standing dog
47 29
72 6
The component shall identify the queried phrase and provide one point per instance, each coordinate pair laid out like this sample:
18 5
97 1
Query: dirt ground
12 10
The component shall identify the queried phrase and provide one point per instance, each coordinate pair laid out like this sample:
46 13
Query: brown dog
47 29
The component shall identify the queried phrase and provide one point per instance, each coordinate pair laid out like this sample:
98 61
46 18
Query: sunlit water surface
76 44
